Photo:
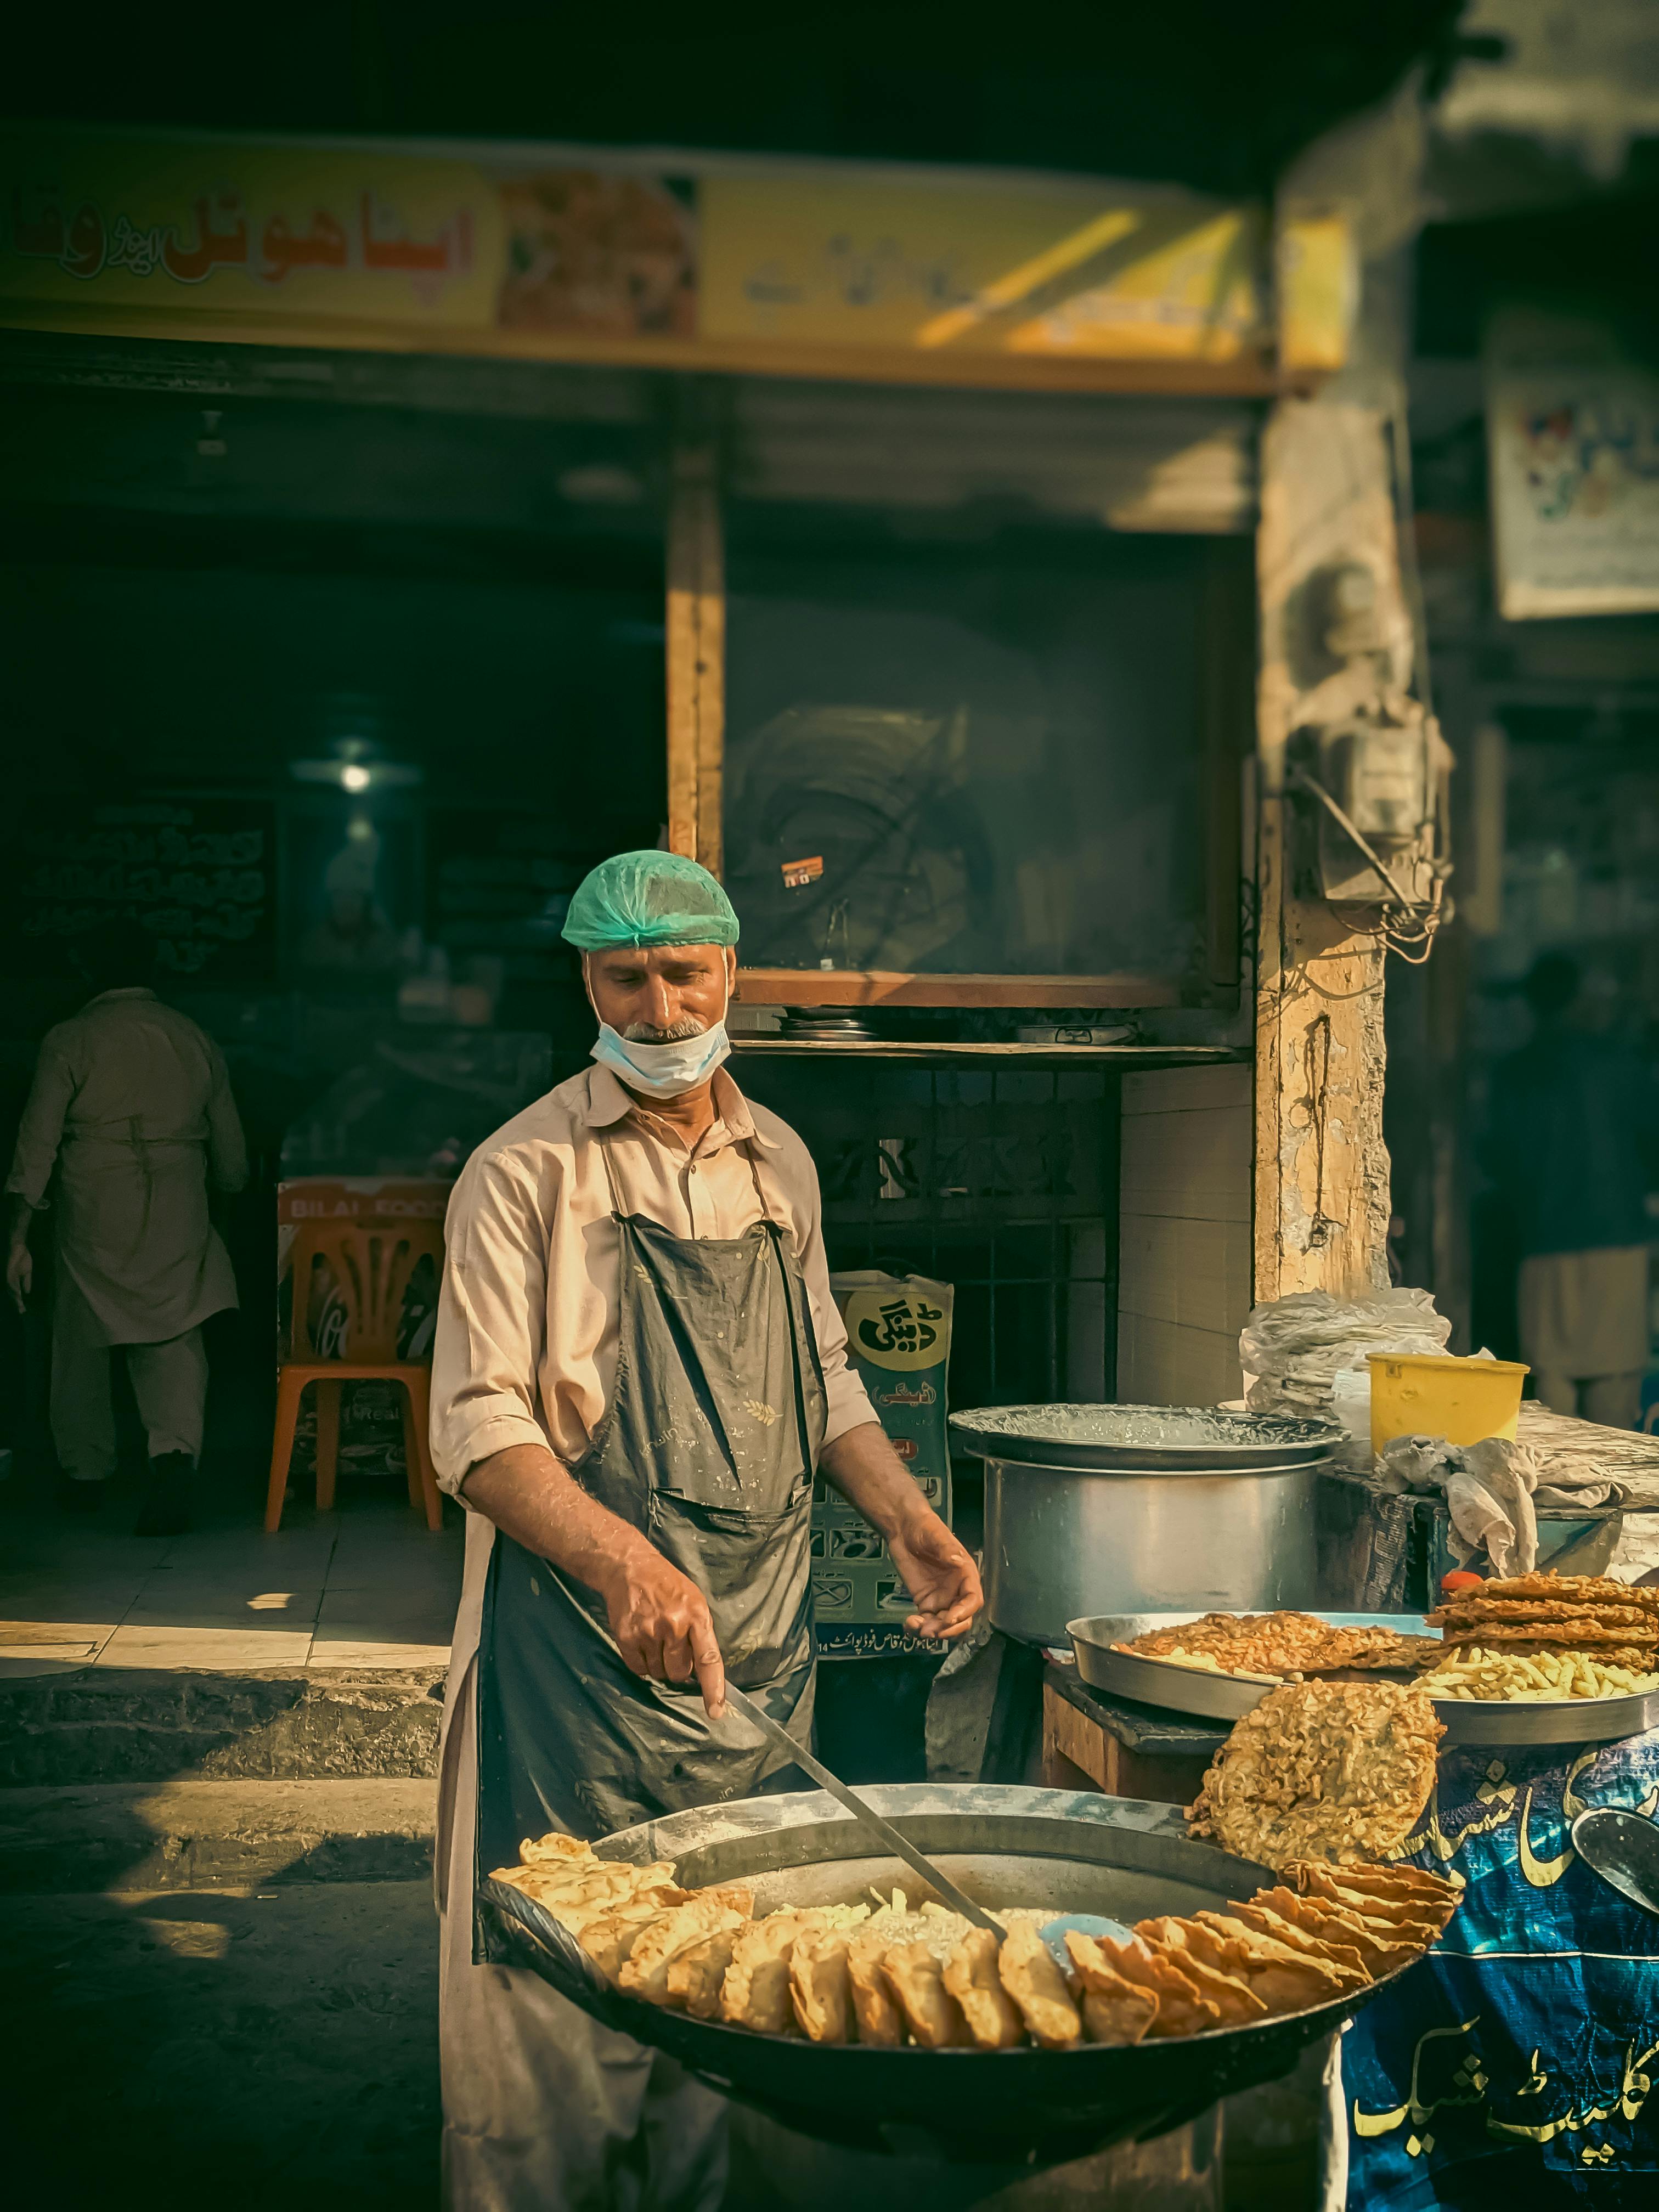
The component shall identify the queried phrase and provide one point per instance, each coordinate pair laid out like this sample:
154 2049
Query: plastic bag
1306 1355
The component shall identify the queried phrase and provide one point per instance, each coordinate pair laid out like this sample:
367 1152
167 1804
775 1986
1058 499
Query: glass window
957 759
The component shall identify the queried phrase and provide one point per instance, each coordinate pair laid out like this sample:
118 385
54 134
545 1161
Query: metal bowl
1072 1851
1218 1697
1143 1439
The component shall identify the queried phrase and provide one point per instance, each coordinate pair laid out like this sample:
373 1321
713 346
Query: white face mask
663 1071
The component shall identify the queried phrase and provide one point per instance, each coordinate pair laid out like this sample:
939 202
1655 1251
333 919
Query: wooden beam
852 986
696 657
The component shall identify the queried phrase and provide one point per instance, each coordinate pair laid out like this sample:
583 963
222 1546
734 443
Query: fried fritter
1637 1622
917 1981
1326 1770
609 1937
1032 1978
1582 1589
535 1850
880 2020
972 1977
1386 1654
1573 1631
1114 2009
1335 1923
1442 1892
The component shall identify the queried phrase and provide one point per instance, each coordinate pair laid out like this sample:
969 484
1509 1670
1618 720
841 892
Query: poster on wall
1573 431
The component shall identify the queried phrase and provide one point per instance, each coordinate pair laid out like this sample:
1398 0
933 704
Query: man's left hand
940 1576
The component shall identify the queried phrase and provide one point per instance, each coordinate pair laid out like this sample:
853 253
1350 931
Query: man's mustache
675 1033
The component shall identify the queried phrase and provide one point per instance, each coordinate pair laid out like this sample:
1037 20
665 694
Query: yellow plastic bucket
1462 1400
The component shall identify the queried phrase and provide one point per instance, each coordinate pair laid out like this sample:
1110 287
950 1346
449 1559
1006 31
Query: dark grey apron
707 1447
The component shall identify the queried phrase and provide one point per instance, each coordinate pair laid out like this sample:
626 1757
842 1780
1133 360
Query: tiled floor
367 1586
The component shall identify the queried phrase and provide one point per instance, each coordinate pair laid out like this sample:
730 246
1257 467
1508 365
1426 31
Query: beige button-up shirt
526 1339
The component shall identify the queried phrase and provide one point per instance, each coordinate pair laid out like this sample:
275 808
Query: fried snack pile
1280 1644
1529 1616
1331 1773
927 1980
1470 1672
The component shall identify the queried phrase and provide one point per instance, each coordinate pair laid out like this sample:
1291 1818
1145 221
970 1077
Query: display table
1091 1741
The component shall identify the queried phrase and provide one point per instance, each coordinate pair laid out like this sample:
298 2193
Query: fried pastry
917 1981
1031 1976
644 1973
1198 1956
1342 1955
1437 1892
821 1986
1182 2007
880 2020
1329 1771
1573 1631
1114 2009
535 1850
1285 1978
972 1977
1328 1922
755 1992
609 1937
696 1975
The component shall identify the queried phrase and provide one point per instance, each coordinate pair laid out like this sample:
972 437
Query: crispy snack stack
843 1974
1613 1625
1329 1771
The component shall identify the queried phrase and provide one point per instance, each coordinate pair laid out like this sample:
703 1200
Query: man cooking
130 1110
638 1366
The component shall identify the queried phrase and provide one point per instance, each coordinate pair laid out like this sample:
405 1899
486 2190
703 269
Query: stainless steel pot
1182 1509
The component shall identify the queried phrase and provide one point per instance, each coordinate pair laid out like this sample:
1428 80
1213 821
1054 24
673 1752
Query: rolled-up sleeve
492 1320
847 1402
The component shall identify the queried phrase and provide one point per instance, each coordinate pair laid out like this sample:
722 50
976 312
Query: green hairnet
648 898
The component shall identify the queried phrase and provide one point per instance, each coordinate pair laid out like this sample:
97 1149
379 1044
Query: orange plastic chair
372 1268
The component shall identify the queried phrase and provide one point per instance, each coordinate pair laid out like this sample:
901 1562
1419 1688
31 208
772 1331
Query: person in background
1571 1132
131 1105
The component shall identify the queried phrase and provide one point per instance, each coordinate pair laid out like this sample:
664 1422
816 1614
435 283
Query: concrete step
116 1836
143 1724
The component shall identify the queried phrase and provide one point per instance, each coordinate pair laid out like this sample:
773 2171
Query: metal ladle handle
867 1819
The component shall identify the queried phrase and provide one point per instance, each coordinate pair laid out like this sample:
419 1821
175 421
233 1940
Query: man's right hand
663 1626
20 1276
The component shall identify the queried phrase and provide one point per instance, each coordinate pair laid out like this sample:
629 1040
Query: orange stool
372 1268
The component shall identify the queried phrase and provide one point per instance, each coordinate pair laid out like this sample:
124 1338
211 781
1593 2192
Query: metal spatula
881 1831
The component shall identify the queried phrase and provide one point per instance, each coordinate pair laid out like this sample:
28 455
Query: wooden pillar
696 655
1322 1171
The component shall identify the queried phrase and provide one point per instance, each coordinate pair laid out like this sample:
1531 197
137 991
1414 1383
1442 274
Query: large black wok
1072 1851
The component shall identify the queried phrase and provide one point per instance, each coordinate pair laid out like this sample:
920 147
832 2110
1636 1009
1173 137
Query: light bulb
355 776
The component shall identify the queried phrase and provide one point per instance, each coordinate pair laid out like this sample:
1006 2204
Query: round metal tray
1074 1851
1222 1697
1145 1439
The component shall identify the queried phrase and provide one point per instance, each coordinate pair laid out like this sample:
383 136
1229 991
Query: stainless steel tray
1220 1696
1143 1439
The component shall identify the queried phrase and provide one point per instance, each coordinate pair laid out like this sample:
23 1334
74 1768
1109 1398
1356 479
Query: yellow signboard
299 233
597 256
1005 267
